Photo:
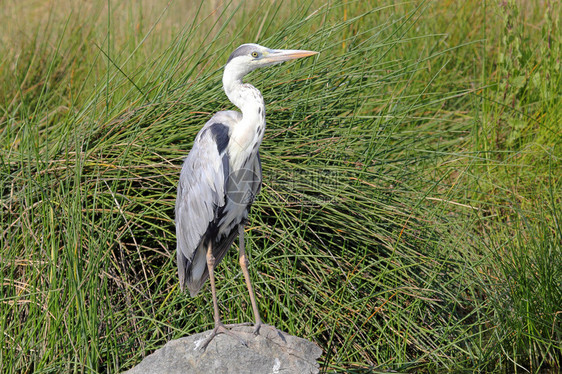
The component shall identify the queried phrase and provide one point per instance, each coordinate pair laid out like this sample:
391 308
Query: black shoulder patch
220 133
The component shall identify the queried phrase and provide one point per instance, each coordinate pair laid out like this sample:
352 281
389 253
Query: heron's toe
257 327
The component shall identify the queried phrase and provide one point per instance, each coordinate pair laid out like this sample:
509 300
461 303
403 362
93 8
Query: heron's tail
192 274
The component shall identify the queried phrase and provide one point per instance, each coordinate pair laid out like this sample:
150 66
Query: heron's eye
255 54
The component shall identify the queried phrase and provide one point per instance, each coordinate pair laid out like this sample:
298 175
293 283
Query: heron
220 178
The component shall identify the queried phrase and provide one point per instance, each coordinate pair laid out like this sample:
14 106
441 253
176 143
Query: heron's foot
221 329
258 327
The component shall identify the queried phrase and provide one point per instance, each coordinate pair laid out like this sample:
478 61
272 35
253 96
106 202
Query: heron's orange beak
280 55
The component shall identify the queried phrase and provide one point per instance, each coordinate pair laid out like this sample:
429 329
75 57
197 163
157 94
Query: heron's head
249 57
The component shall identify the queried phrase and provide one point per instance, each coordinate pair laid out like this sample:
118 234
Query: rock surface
265 353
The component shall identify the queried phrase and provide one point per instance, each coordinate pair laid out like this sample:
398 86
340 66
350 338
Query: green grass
410 213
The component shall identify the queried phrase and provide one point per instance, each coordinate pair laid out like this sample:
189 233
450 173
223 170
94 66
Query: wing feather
201 195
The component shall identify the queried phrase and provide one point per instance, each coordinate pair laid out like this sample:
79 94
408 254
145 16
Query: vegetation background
410 214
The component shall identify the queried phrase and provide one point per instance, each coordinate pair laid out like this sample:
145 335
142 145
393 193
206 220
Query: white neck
249 131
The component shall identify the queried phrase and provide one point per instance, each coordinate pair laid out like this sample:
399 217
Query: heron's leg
219 327
211 268
244 266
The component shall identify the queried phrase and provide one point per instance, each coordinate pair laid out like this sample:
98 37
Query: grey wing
200 194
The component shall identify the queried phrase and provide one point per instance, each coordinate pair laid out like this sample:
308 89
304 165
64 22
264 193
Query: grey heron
220 178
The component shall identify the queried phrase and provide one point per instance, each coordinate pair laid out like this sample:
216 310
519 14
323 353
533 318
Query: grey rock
271 351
